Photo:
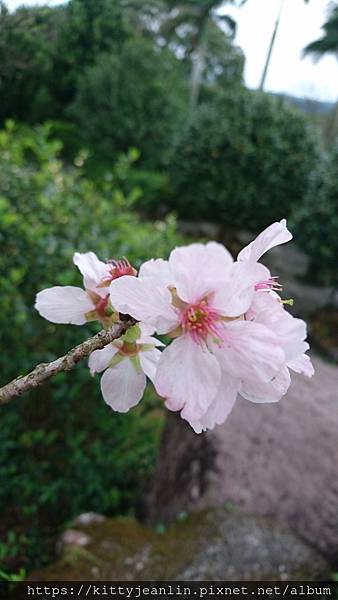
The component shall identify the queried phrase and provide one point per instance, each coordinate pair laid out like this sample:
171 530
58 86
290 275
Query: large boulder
277 460
214 545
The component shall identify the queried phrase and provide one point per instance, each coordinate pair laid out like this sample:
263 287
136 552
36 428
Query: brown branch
45 371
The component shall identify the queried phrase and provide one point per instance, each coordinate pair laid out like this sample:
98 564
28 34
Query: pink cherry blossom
74 305
230 331
267 308
126 363
199 297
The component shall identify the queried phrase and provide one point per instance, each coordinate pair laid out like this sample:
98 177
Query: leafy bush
131 99
62 450
315 222
243 160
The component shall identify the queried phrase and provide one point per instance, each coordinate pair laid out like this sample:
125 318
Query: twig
45 371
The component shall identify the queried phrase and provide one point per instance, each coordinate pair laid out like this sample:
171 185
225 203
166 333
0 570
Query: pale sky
289 73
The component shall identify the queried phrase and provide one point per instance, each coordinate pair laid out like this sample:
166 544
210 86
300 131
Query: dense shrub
315 222
244 160
132 99
62 450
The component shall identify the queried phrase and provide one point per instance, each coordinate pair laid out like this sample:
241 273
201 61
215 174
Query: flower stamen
271 283
200 320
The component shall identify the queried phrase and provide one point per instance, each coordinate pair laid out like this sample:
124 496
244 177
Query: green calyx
132 334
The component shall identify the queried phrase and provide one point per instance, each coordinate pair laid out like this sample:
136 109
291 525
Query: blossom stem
45 371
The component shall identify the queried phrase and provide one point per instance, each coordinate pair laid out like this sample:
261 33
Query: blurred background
128 127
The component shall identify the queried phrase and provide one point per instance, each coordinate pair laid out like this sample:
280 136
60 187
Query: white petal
159 270
199 269
146 335
221 406
274 235
302 365
266 308
100 359
149 361
235 298
122 387
250 351
144 301
291 333
92 269
188 377
64 304
146 330
273 391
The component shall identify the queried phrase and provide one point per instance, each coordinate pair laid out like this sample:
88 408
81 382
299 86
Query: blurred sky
289 73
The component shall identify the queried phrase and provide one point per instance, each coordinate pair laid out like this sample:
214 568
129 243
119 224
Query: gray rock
278 460
213 545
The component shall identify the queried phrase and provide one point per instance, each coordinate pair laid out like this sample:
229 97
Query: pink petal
221 406
149 360
144 301
290 331
188 377
100 359
64 304
302 365
235 298
199 269
273 391
250 351
93 271
266 308
122 387
159 270
274 235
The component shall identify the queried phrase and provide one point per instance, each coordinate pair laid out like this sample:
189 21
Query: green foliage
128 100
244 160
328 43
62 450
94 66
28 40
315 222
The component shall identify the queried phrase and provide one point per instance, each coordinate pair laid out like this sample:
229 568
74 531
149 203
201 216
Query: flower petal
290 331
122 387
146 335
273 391
64 304
250 351
302 365
100 359
235 298
144 301
149 360
188 376
221 406
274 235
199 269
159 270
93 271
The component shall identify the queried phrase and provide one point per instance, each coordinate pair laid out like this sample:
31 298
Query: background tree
191 27
328 44
28 42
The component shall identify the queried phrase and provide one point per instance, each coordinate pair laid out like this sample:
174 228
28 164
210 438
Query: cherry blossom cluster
226 329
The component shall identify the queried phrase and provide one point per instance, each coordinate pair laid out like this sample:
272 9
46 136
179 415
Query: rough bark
45 371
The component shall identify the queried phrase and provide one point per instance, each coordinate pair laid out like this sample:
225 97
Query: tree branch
45 371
